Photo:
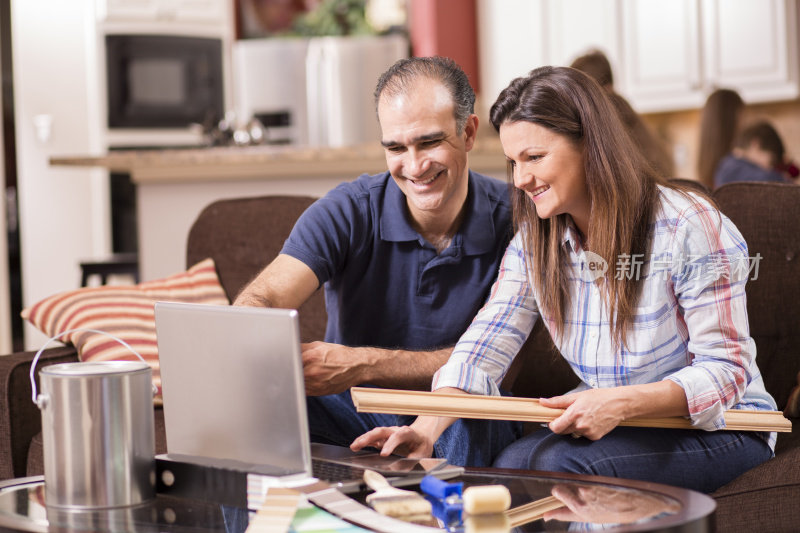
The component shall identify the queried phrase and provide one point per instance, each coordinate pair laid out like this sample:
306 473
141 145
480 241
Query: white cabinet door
575 26
512 41
662 55
751 46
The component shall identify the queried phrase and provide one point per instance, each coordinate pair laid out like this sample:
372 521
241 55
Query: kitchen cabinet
519 35
675 53
662 55
752 45
185 11
510 43
666 56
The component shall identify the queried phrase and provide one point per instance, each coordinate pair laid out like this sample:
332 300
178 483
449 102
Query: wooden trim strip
534 510
403 402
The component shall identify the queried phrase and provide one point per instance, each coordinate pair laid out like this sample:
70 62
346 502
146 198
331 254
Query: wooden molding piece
404 402
534 510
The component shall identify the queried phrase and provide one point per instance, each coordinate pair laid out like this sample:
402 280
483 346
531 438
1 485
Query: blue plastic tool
445 500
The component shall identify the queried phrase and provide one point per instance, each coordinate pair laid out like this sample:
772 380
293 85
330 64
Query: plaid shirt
690 323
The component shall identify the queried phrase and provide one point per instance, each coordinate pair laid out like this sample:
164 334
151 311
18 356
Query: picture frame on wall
266 18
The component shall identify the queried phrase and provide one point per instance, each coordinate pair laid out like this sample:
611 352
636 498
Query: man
407 258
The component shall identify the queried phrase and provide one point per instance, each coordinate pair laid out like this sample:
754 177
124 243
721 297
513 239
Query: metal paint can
98 434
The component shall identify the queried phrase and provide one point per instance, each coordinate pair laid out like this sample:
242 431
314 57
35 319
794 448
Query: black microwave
163 81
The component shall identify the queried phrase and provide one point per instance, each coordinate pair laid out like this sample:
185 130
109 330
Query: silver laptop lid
233 389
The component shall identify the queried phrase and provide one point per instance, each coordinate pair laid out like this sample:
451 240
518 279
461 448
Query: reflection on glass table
539 502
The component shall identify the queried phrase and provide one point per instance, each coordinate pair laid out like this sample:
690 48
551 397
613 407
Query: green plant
334 17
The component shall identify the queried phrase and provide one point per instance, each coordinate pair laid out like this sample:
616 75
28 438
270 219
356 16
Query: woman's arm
709 287
486 350
479 360
415 440
593 413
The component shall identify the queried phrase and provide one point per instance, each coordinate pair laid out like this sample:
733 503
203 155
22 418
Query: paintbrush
391 501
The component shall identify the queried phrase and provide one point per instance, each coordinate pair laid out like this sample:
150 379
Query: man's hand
332 368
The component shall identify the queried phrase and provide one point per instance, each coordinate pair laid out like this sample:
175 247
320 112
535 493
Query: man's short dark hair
401 76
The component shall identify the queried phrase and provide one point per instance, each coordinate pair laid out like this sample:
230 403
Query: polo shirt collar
477 231
394 214
476 234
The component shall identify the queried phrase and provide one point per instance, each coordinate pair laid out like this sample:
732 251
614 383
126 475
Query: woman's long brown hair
719 125
622 186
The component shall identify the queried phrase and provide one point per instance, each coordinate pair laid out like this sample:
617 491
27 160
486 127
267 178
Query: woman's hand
403 440
591 413
414 441
595 412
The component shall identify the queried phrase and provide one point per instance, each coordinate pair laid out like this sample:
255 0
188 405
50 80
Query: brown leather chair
768 216
243 235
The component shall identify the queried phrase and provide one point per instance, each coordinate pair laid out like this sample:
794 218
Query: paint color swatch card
311 519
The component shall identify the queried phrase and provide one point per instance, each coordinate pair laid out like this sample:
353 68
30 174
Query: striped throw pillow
125 311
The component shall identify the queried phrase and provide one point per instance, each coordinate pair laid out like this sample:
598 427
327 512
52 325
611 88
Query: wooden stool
123 263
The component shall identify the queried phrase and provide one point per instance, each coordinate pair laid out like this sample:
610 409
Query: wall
681 130
63 213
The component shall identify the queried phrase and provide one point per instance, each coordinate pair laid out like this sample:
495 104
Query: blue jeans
693 459
333 419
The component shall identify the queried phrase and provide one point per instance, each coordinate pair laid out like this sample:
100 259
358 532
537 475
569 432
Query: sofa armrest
20 419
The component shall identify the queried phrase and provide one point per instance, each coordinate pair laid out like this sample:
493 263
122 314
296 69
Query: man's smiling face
425 154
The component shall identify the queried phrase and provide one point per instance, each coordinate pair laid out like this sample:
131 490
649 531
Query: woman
660 330
720 123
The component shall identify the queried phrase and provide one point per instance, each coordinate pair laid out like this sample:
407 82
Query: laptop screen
233 390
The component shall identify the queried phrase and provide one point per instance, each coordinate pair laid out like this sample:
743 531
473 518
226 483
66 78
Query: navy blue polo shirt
384 283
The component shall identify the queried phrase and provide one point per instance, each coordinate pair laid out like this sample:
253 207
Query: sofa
242 235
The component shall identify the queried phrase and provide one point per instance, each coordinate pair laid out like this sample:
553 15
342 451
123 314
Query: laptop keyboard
328 471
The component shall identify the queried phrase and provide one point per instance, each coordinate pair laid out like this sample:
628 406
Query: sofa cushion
35 466
125 311
763 498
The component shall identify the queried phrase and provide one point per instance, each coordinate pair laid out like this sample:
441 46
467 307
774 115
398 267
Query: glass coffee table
580 503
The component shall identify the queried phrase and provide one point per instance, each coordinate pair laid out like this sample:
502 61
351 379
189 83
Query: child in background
758 155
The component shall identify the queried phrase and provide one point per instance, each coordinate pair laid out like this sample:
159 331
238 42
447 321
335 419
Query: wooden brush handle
375 481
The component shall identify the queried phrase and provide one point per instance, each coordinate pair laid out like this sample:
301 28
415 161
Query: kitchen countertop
259 162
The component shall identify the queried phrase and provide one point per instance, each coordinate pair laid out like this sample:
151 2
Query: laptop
234 402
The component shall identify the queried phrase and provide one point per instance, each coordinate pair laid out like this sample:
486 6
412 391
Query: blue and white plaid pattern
690 324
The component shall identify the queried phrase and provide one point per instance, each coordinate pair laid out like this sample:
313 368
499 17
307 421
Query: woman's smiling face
549 168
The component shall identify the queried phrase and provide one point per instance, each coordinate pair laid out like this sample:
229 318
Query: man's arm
330 368
333 368
286 283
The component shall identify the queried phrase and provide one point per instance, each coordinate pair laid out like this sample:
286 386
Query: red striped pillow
125 311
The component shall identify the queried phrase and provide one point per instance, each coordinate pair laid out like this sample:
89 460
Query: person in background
757 155
641 286
406 258
596 64
720 122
